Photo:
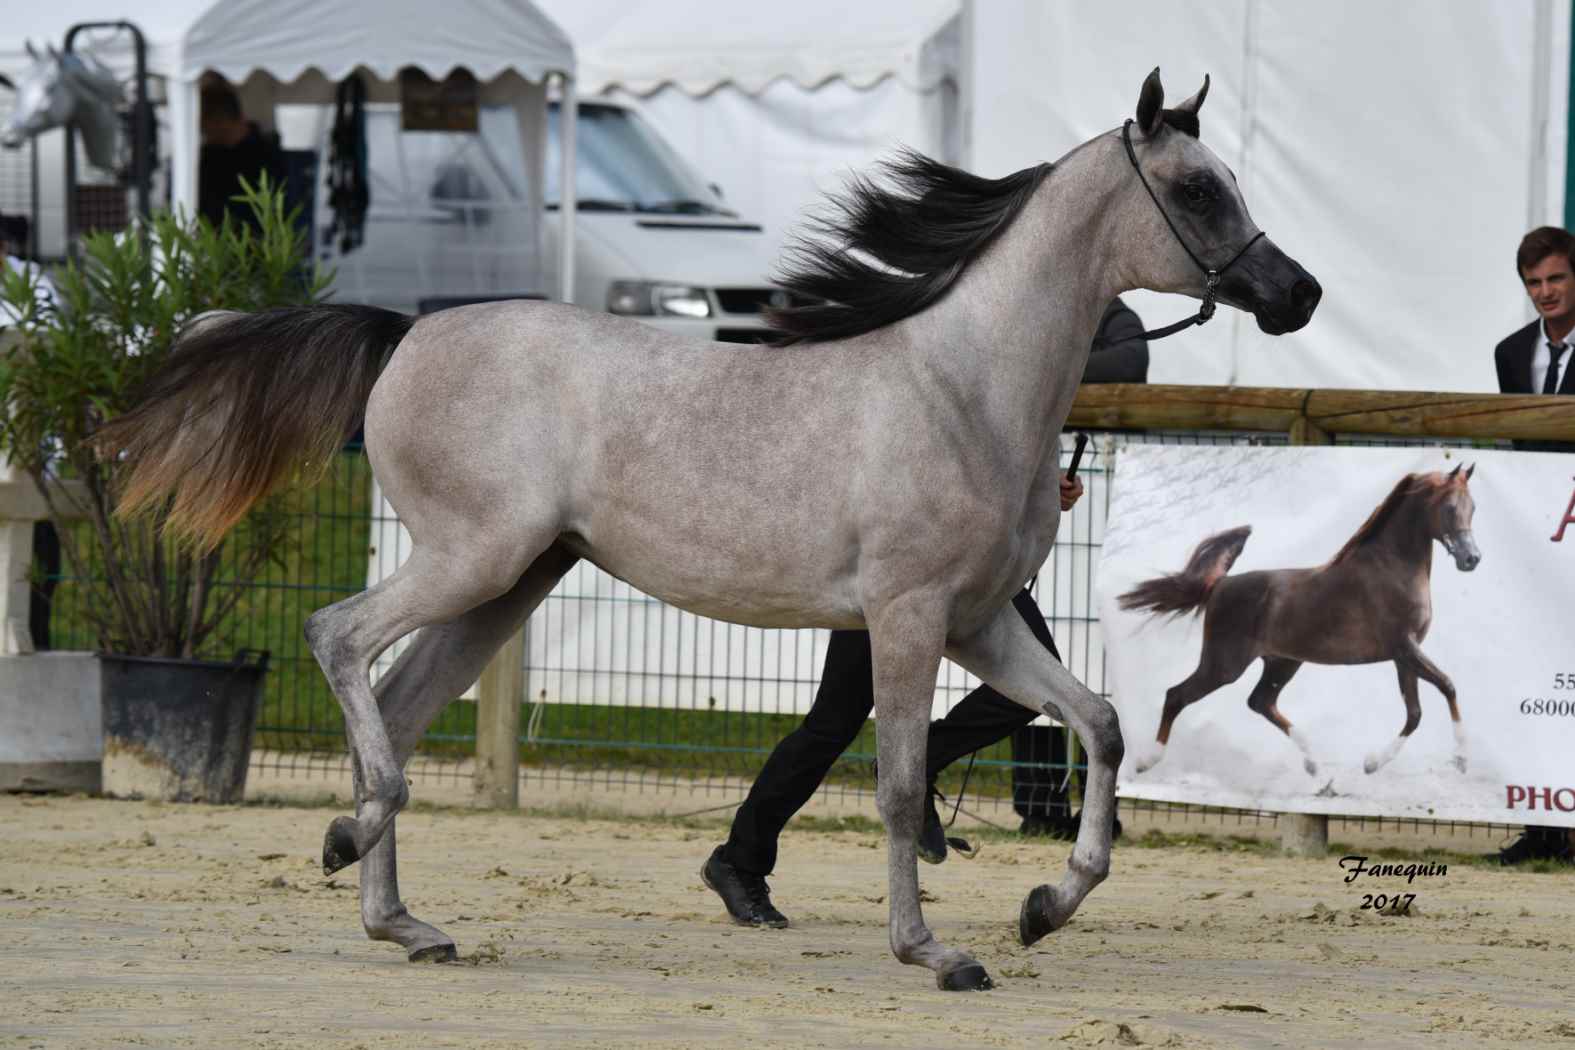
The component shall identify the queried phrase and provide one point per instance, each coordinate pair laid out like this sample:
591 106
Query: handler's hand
1071 491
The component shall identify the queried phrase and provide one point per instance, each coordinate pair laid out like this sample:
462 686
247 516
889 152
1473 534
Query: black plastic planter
179 730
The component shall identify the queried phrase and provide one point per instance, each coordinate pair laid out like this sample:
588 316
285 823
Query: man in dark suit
1535 360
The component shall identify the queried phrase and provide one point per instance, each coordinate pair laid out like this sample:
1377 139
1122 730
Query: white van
654 240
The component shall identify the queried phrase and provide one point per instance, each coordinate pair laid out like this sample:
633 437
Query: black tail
1189 589
241 402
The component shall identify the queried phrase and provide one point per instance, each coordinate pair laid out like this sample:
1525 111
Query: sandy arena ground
139 924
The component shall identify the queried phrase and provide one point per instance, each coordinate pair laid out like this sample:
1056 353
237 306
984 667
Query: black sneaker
932 836
933 839
745 895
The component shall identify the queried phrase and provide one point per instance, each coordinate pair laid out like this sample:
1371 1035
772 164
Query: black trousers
845 699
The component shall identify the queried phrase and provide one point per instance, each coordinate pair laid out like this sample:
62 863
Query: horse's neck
1013 336
1405 535
96 120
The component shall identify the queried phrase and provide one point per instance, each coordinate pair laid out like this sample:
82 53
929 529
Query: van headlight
651 299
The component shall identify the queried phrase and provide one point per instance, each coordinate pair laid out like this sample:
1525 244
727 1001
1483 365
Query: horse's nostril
1305 294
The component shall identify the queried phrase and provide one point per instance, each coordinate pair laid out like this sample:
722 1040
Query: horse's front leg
1006 656
1415 659
1413 717
906 641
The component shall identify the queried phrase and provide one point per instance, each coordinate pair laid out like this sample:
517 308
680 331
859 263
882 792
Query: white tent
777 103
293 52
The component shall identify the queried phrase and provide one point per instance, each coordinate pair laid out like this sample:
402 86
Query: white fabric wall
1398 151
776 153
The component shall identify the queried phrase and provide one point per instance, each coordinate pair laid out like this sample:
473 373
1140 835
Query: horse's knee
1104 726
900 803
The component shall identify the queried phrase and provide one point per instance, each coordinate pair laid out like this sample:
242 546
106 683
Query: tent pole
568 121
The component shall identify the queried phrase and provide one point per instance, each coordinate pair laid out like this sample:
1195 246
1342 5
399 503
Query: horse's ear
32 52
1151 104
1470 470
50 48
1195 103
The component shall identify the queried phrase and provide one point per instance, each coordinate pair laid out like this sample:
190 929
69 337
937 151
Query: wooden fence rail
1382 413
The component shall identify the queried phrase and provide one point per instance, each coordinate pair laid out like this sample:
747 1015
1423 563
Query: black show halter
1211 276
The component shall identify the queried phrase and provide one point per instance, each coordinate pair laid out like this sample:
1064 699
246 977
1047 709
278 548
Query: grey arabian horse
61 88
895 469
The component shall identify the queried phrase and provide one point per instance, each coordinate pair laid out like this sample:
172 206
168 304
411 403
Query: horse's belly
735 582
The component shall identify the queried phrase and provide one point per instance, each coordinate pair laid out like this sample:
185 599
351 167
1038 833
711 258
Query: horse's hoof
1035 919
1370 765
1312 767
1459 762
969 978
339 850
435 953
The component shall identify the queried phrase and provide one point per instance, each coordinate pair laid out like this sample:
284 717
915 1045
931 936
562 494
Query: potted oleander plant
178 723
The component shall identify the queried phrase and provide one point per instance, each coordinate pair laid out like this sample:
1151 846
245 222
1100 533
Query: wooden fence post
1305 834
499 695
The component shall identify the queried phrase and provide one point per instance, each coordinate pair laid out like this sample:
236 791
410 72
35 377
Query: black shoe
932 837
745 895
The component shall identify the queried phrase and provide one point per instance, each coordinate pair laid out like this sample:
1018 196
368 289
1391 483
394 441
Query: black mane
918 236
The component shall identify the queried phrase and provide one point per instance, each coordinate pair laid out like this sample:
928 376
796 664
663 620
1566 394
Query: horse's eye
1194 193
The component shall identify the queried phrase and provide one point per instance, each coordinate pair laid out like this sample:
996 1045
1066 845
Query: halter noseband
1211 277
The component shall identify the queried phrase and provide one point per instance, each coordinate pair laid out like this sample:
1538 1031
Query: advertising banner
1358 631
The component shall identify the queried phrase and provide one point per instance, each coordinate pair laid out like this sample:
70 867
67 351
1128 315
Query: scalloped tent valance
286 38
699 46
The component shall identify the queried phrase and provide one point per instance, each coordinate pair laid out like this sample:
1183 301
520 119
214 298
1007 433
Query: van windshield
621 164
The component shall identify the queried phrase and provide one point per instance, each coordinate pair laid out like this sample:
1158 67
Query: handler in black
737 869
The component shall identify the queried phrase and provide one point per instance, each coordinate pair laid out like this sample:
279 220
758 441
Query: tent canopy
701 45
284 38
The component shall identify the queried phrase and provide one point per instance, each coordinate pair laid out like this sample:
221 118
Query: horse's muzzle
1464 550
1293 310
1280 294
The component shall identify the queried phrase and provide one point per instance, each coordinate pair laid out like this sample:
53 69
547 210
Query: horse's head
1450 520
1200 225
48 94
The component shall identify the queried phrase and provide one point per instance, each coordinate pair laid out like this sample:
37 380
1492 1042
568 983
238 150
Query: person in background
46 541
1042 754
233 148
737 869
1536 360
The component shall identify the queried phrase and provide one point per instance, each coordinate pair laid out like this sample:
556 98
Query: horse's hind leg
433 586
440 663
1413 717
1006 656
1220 665
1265 700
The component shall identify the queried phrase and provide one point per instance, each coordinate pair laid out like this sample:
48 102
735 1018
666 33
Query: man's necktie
1550 382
